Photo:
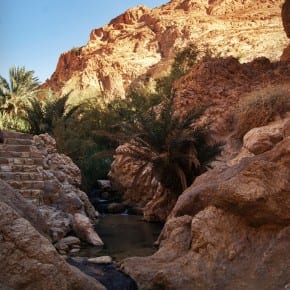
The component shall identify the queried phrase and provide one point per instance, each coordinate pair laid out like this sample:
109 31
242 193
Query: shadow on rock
107 274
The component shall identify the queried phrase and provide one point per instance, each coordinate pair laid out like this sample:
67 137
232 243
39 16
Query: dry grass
261 107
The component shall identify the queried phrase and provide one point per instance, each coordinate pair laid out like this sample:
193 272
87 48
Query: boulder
25 209
229 230
29 261
262 139
67 244
101 260
254 188
59 222
84 230
62 197
104 184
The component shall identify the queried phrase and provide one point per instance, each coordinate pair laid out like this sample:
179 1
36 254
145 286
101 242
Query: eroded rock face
219 84
48 180
229 230
140 189
141 43
28 259
62 197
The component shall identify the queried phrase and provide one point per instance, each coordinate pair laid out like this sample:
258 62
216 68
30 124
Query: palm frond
175 147
4 89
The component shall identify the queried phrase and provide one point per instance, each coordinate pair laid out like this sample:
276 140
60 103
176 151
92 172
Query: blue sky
35 32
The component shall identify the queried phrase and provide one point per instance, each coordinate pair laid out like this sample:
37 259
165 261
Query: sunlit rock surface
46 179
28 259
142 42
229 230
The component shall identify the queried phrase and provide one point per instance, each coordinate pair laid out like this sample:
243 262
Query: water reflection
124 236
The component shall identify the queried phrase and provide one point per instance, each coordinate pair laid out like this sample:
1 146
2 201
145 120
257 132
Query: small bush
13 123
183 61
260 107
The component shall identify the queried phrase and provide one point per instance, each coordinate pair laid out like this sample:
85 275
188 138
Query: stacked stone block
21 165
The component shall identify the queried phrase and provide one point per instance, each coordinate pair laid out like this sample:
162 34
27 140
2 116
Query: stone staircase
21 165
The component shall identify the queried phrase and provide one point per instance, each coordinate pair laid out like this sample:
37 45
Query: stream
124 236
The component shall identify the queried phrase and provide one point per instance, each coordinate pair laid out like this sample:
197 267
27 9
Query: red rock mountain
142 42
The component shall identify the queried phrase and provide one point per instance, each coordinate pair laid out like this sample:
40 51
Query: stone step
31 193
5 160
35 186
36 154
15 148
21 161
35 200
7 154
20 168
17 141
33 196
21 176
16 135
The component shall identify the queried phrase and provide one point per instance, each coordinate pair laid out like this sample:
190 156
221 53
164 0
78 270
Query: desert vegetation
14 94
90 131
177 148
260 107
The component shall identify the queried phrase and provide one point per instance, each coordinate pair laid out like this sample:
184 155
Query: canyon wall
219 84
231 228
141 43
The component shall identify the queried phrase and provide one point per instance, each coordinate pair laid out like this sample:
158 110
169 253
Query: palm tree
42 115
22 85
176 148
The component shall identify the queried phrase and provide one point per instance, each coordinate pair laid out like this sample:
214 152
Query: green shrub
12 123
14 95
183 61
42 114
81 135
177 149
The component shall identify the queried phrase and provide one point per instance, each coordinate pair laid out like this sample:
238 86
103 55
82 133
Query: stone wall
46 179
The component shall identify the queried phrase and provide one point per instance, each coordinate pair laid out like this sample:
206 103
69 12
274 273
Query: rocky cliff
141 42
230 229
219 84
